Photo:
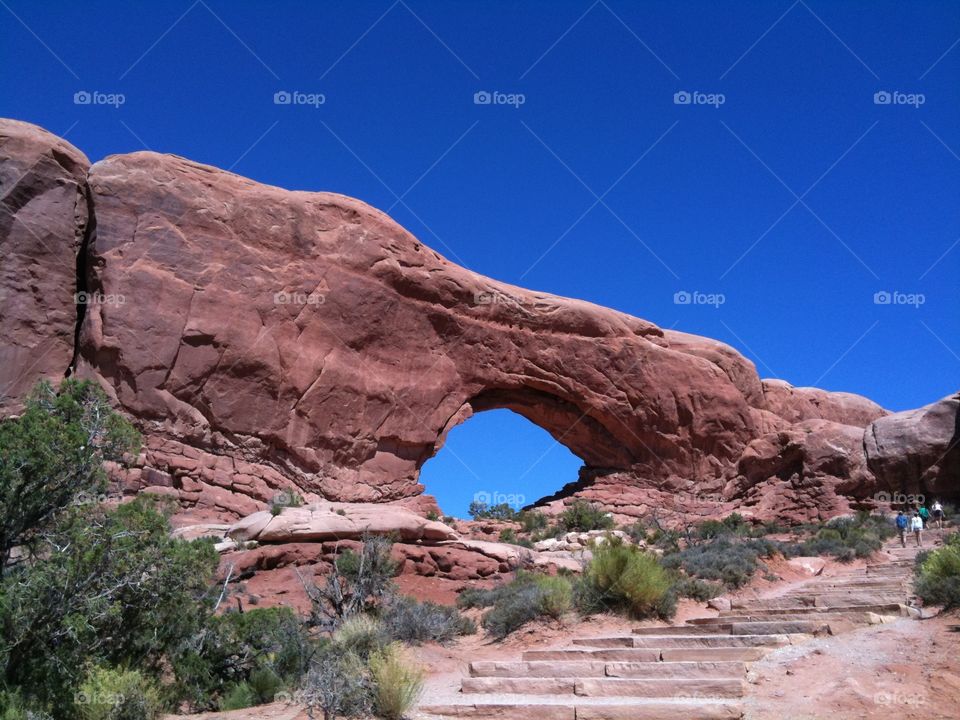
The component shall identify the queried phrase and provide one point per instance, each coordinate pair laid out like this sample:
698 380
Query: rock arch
270 338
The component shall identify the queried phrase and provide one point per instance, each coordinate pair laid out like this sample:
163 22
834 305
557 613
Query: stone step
539 668
880 608
679 630
778 627
849 598
584 669
799 602
824 617
747 654
615 655
692 641
707 688
545 708
702 688
651 655
694 669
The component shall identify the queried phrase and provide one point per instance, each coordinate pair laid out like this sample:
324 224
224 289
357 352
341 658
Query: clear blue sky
796 199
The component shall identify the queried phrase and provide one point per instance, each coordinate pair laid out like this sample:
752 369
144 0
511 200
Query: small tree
54 453
110 588
356 583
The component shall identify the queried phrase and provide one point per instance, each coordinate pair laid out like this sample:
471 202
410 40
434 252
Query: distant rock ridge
267 340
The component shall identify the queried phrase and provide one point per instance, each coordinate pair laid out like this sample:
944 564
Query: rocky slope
266 339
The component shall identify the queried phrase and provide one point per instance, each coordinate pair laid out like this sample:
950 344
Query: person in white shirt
938 514
916 524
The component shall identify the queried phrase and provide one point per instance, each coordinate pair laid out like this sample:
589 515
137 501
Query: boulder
814 470
43 219
917 451
338 521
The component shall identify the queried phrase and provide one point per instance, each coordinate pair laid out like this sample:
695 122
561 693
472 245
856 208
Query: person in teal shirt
924 514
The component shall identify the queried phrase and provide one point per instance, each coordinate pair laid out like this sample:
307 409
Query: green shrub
238 697
338 684
109 694
622 577
937 580
397 682
357 583
409 620
556 596
482 511
729 561
696 589
532 521
111 588
362 635
13 707
53 455
513 609
582 516
433 515
265 648
508 535
527 597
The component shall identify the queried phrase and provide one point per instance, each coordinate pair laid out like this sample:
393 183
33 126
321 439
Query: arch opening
497 456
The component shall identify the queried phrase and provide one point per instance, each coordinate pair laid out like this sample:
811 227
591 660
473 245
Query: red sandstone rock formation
270 339
43 215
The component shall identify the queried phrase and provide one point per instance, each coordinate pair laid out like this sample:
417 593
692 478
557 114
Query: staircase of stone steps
693 671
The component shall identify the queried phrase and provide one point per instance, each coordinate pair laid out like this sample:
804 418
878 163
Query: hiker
916 524
938 514
924 514
902 523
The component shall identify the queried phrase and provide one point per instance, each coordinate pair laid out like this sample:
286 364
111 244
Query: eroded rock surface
271 340
918 451
43 216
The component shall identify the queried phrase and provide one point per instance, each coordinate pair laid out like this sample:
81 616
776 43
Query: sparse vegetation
726 560
623 578
582 516
937 575
482 511
397 682
284 499
357 582
109 694
412 621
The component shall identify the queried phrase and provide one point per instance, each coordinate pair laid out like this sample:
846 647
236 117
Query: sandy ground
907 670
